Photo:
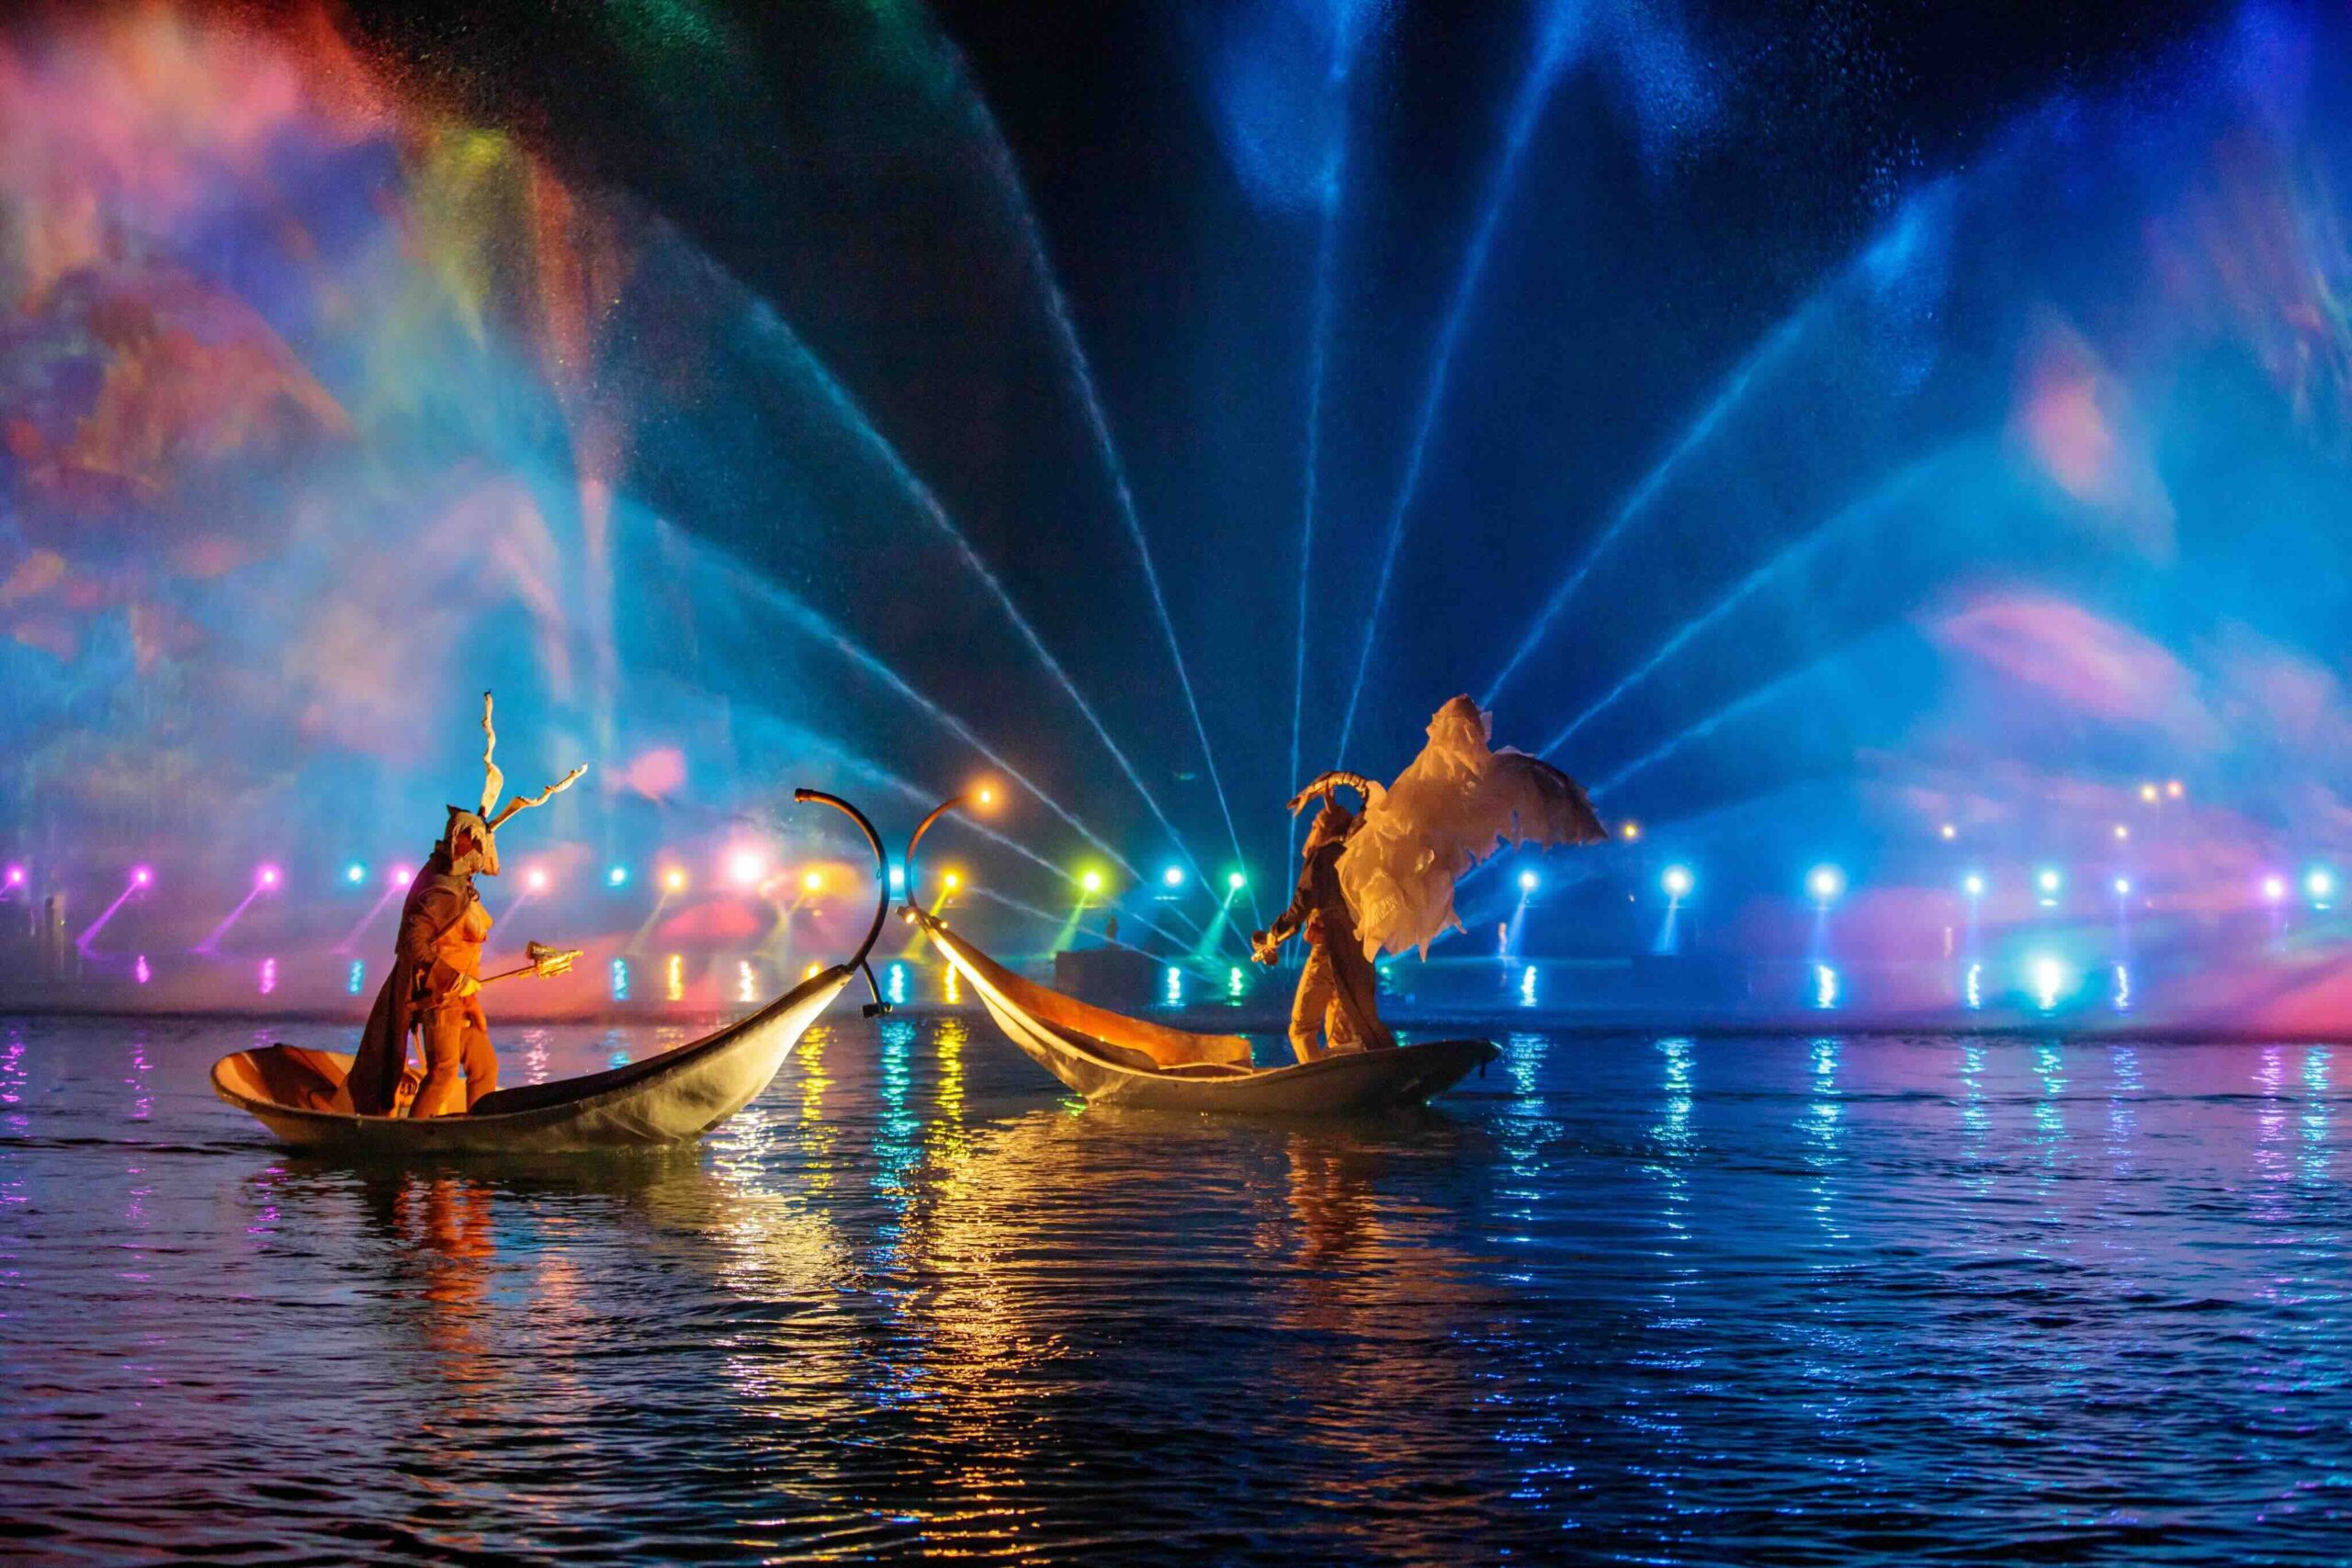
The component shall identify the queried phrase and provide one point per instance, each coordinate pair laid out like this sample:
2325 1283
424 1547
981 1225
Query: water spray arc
1007 172
1332 190
1557 34
927 502
1870 506
1882 262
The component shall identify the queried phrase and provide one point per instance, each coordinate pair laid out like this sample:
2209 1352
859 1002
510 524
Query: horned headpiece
469 841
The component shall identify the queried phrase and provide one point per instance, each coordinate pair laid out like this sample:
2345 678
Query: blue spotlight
2320 882
1972 885
1173 877
2047 882
617 876
1825 883
354 874
897 877
1529 882
1676 882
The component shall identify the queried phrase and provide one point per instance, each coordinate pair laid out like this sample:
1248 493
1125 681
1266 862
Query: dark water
1735 1300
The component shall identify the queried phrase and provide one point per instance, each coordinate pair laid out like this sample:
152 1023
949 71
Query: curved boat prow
667 1099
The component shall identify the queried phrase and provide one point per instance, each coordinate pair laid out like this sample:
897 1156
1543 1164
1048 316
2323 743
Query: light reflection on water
1662 1300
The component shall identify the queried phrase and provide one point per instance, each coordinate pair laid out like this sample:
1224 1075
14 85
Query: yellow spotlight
673 881
2122 831
813 882
2148 792
812 971
985 795
952 881
1950 831
1091 882
1629 830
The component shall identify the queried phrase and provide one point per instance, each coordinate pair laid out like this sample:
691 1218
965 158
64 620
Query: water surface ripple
1624 1299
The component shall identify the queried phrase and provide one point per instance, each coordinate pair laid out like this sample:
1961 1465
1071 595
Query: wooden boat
668 1099
1116 1060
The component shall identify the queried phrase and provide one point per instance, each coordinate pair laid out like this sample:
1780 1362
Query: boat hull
669 1099
1347 1084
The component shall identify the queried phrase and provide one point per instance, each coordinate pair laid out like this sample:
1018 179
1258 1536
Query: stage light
2049 979
2148 792
2320 882
1825 883
2048 880
813 881
1091 881
2274 888
16 876
984 796
617 876
2123 887
897 877
1529 882
535 879
1950 831
401 874
1676 882
2174 789
673 880
141 876
266 876
354 874
1629 830
1235 882
2122 831
746 868
1972 885
952 881
1173 877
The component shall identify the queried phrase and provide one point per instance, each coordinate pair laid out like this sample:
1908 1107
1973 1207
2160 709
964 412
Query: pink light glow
16 876
402 874
266 877
535 879
746 867
141 876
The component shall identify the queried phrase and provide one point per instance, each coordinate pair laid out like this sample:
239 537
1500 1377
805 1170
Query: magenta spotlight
141 876
2274 888
266 876
535 879
16 876
401 874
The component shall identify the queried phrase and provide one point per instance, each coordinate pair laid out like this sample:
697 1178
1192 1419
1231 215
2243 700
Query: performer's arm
1267 944
420 940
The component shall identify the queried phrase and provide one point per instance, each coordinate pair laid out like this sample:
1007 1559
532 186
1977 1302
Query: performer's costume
432 989
1385 879
1335 1007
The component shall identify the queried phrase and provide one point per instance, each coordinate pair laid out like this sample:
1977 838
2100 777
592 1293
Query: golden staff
542 960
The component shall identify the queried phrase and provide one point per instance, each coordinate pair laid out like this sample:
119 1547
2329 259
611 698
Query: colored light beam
395 887
137 882
1557 34
1333 191
266 881
818 628
1730 713
1886 257
928 504
1007 172
1860 512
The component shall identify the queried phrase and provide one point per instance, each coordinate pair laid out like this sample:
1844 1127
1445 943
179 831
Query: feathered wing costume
1455 804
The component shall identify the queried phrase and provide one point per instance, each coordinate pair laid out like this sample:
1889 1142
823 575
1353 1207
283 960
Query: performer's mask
468 844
